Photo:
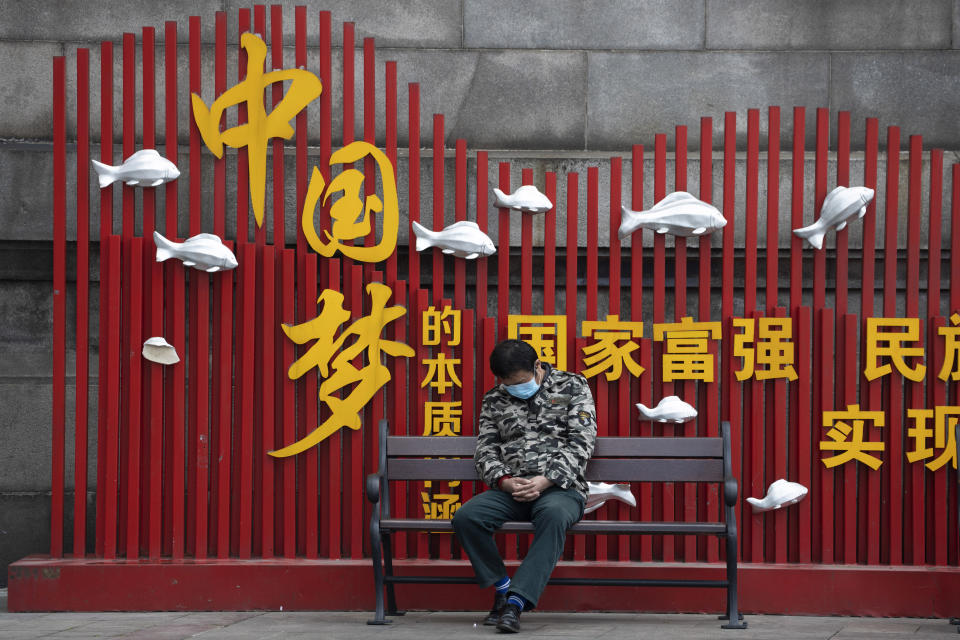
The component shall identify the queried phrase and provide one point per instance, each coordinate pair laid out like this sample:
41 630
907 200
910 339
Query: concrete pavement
423 625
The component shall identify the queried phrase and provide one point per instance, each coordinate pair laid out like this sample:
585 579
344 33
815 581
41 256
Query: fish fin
447 251
699 231
812 234
106 174
164 247
212 269
661 419
187 263
862 212
131 183
206 236
157 183
662 230
841 226
464 223
470 256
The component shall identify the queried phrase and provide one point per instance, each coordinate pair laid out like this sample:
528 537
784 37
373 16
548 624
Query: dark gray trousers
551 514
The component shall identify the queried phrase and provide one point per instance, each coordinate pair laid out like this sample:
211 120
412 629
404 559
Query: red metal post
59 304
526 252
83 304
503 257
438 160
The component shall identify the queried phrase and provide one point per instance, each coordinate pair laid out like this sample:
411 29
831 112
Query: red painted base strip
39 583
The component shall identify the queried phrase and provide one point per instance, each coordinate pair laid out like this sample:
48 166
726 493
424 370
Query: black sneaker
509 619
499 599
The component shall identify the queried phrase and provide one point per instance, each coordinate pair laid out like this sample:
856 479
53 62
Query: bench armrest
373 488
730 492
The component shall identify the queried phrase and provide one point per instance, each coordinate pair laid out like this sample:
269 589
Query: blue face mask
523 390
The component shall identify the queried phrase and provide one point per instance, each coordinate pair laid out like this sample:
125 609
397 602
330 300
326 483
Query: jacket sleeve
487 458
570 460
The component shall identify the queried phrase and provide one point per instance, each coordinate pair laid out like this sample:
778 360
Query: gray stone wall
552 84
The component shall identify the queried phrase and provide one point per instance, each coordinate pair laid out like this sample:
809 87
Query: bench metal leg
734 618
377 571
388 563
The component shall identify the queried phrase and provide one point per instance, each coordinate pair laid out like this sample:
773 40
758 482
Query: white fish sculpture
159 350
838 208
203 251
780 493
678 214
525 198
599 492
145 168
669 409
462 239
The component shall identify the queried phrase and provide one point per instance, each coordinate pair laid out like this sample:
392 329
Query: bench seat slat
584 526
464 446
598 469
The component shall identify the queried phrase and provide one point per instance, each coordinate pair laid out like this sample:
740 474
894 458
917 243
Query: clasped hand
526 489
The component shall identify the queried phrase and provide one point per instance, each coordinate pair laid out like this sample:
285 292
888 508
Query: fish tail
501 197
106 174
164 247
812 234
628 222
423 236
643 407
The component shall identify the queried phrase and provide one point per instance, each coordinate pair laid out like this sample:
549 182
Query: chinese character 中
260 125
335 361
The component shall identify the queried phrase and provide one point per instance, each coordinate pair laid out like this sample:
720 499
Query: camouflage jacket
551 433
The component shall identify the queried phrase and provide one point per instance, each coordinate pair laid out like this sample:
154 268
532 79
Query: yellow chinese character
326 355
260 125
440 506
943 434
605 354
546 334
687 355
951 363
445 322
438 369
775 353
350 214
442 418
849 439
890 344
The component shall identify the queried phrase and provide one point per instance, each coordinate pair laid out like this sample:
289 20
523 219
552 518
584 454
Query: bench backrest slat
598 470
464 446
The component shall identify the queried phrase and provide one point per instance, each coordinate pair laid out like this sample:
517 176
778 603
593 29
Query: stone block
831 25
76 21
594 24
956 24
25 526
26 99
524 100
415 24
633 96
26 437
915 91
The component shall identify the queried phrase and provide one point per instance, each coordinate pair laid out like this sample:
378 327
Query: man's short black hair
511 356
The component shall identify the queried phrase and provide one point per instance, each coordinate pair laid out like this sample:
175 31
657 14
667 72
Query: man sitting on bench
536 431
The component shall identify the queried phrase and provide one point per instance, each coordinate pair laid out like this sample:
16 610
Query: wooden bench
413 458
